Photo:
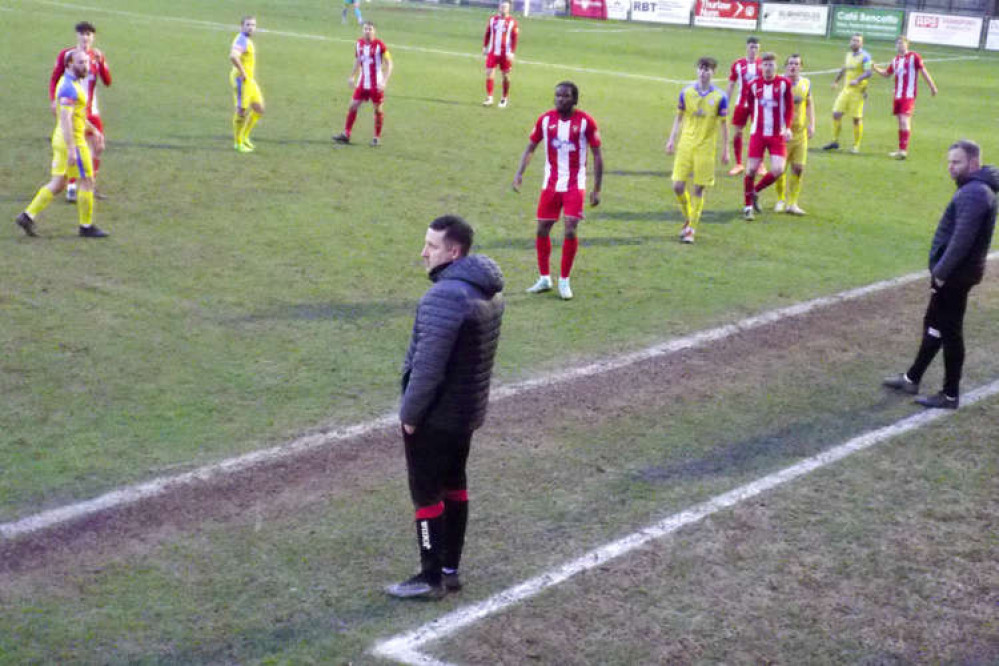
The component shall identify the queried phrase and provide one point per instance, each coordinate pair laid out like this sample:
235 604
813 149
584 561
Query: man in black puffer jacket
957 263
445 392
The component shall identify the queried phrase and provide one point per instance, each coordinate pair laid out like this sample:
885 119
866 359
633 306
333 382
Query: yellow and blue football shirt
701 112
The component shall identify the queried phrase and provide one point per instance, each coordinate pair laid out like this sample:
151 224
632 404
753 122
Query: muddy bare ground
347 467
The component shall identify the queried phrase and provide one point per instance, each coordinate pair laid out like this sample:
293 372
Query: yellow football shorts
61 166
850 103
698 165
797 148
245 93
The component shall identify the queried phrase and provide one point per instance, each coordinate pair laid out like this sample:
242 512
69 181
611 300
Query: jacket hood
989 175
477 270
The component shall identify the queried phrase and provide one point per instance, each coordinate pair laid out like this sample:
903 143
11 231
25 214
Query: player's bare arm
674 133
929 80
237 63
810 114
525 159
352 78
387 71
839 76
598 175
724 139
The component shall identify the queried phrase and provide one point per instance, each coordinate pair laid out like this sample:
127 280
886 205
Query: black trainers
417 587
341 138
938 401
832 145
901 383
93 231
451 581
25 222
756 203
375 142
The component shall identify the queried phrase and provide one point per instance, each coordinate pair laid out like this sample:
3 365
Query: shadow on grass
760 452
622 172
665 215
527 243
346 312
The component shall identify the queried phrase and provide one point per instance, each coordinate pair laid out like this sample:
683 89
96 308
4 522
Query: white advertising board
944 29
618 9
992 40
662 11
800 19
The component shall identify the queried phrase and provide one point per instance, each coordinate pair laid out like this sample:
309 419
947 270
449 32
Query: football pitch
245 301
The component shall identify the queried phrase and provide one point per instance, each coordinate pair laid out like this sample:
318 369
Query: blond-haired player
802 129
857 70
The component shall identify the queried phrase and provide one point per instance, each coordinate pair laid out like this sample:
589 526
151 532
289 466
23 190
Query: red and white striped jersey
906 70
501 35
773 105
742 73
370 55
566 143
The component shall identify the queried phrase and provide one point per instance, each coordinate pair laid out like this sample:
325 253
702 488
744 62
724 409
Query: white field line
405 647
154 488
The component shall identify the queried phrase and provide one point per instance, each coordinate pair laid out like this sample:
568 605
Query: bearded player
85 34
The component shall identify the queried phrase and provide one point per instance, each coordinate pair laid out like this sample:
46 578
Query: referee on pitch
445 392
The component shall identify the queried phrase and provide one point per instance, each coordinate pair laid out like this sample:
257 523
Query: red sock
506 87
903 139
543 244
490 84
351 117
72 181
379 119
766 181
569 247
748 189
737 148
97 164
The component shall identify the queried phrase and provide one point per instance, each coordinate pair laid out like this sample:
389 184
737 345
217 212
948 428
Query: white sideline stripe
404 648
155 487
946 59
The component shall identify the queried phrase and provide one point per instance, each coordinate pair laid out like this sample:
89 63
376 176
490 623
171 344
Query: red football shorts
96 122
375 96
741 115
903 107
498 61
569 203
775 144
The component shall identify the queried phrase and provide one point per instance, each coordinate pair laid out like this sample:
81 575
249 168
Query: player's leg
739 118
703 176
355 104
505 69
84 168
839 107
683 170
379 120
904 132
696 208
857 104
570 244
46 193
682 199
549 206
255 110
357 13
490 81
777 161
753 163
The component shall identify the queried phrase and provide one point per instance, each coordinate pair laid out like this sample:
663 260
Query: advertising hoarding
799 19
737 14
871 23
944 29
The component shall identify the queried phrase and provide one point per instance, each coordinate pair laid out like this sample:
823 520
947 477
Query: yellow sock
837 128
696 206
251 119
858 133
683 201
85 207
237 128
42 199
779 185
794 189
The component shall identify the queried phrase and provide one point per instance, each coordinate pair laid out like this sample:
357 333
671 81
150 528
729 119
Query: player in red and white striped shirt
567 134
85 32
772 100
370 76
743 71
498 47
906 66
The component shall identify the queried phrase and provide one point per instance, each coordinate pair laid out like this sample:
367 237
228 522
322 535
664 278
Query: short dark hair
970 148
707 62
752 40
456 230
793 55
371 23
571 86
85 26
769 55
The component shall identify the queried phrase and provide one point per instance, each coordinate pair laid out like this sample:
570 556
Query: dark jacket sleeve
439 318
971 207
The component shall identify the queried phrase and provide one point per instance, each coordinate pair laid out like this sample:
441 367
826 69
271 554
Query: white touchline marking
158 486
947 59
404 648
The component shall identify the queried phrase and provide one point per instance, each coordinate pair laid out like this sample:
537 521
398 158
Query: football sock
506 87
97 164
858 133
85 207
837 128
430 539
765 182
251 120
696 206
455 522
780 185
237 128
903 139
737 147
794 188
569 247
748 189
42 199
490 86
379 120
357 14
683 201
351 117
543 244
